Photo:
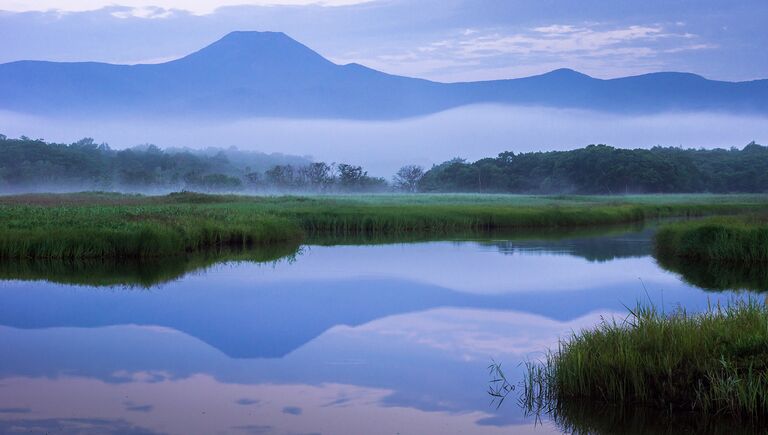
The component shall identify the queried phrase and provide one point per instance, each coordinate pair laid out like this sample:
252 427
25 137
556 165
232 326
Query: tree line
33 164
27 164
602 169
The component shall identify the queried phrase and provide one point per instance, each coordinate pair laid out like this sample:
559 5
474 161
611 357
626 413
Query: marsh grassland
717 253
107 225
715 362
734 239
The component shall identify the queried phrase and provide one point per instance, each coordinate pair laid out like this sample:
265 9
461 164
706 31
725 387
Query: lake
333 337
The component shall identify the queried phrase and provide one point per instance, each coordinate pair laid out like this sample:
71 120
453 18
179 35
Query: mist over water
381 147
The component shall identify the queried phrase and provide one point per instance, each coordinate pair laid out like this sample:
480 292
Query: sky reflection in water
344 340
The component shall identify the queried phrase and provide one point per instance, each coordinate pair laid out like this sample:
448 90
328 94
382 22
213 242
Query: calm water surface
366 339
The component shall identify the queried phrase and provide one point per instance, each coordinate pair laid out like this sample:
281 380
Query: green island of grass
717 253
109 225
733 239
712 363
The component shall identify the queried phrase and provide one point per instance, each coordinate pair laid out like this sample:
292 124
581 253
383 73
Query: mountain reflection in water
379 337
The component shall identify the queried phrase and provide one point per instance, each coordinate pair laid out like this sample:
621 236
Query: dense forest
35 165
602 169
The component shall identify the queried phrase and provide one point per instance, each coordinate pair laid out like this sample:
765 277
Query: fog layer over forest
33 165
384 146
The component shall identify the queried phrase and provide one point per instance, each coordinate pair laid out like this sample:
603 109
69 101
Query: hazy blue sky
446 40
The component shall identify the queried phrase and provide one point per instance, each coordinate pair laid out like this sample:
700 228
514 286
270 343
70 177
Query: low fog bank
28 164
383 147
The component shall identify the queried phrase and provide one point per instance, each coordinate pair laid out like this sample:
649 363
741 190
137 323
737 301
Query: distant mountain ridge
247 74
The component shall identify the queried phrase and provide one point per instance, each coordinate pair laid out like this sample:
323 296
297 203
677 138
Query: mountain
269 74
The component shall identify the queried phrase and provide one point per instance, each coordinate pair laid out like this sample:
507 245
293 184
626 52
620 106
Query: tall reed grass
107 225
723 239
118 231
714 362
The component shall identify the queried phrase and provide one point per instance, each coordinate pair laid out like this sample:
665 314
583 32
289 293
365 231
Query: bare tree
319 176
408 177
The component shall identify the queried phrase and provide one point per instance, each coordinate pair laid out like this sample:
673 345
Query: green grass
717 253
109 225
742 240
714 362
136 231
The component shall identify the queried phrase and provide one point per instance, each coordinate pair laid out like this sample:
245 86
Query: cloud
195 6
560 40
600 49
148 12
691 47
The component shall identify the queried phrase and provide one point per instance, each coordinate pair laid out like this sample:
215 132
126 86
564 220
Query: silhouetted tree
350 175
408 177
319 176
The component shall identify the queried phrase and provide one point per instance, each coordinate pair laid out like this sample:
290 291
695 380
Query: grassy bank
742 240
106 225
441 214
715 363
143 230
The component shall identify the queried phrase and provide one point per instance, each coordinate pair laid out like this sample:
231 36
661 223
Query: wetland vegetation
714 362
109 225
742 239
717 253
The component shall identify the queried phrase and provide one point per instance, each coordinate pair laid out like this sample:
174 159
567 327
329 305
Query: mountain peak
251 47
566 73
251 36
